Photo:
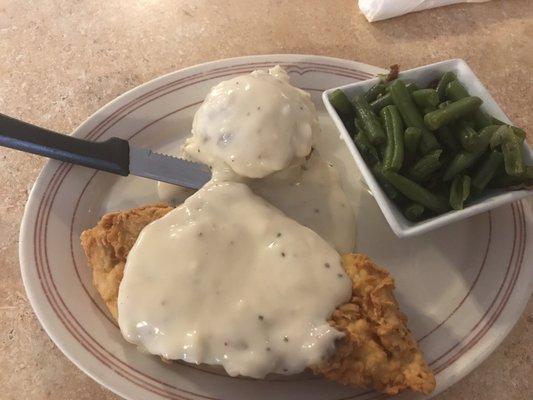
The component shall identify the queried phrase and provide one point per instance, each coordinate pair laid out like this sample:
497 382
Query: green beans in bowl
432 144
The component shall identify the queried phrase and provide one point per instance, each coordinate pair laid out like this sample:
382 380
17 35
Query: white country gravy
256 124
228 279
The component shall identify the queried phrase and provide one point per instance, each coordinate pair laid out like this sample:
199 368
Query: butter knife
113 155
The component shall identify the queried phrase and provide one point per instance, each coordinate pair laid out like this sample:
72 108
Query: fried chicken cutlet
377 350
107 245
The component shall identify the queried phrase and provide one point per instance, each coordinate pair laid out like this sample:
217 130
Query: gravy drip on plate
256 124
310 193
228 279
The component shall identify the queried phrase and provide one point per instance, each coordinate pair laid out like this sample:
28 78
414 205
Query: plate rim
36 193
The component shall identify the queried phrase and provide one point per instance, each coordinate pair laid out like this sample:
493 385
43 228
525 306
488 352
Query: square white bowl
492 198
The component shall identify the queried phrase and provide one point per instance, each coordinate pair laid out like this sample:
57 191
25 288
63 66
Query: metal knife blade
161 167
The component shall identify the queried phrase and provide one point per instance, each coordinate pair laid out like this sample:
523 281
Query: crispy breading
107 245
377 350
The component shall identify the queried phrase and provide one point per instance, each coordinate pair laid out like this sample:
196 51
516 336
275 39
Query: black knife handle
113 155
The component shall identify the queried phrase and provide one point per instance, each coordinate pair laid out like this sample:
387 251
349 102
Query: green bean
468 121
429 142
394 149
403 100
481 119
446 137
416 193
459 191
456 91
368 152
465 159
412 117
468 138
425 167
428 110
518 132
381 150
373 93
485 136
413 212
487 170
368 119
444 104
446 78
411 86
380 102
386 99
482 139
411 138
459 163
341 103
452 112
426 97
358 124
512 156
525 178
389 190
502 134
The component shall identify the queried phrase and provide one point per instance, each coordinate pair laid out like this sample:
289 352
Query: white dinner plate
462 287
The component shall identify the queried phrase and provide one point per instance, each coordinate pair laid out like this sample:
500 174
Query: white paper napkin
375 10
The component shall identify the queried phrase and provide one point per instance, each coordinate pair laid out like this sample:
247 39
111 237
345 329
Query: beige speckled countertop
62 60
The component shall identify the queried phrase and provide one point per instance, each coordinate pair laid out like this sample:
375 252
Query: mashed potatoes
256 124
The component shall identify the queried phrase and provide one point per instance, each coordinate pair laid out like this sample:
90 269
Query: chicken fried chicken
377 350
107 245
